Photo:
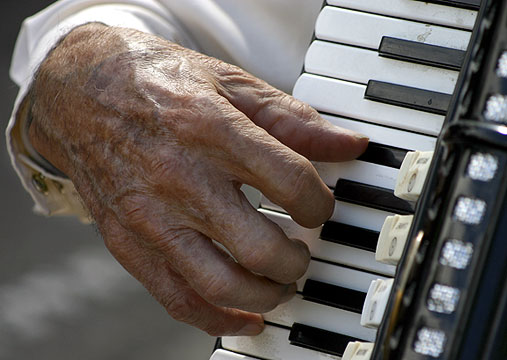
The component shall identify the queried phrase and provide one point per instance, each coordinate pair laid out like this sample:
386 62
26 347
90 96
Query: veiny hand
158 140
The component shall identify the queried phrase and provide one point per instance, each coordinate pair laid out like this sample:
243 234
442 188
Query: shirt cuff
51 191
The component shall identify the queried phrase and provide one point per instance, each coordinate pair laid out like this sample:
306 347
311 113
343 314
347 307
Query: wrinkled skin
158 140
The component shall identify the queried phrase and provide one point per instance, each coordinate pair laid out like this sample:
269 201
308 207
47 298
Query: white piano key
360 171
360 216
387 136
412 175
361 65
272 344
369 173
289 226
358 351
227 355
347 99
366 30
376 302
266 204
320 316
392 239
326 250
338 275
414 10
350 256
346 213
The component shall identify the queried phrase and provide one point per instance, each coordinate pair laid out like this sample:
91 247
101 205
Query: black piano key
320 340
409 97
383 154
349 235
465 4
420 53
371 196
333 295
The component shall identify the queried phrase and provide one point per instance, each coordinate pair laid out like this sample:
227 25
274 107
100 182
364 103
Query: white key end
392 239
412 175
358 351
227 355
376 302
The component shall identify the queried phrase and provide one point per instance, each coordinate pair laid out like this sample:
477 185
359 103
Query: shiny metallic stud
39 183
482 167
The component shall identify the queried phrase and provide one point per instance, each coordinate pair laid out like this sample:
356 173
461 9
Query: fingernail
353 133
361 136
250 330
290 291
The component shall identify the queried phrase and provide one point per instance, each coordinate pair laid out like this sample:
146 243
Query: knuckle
262 257
269 99
218 291
176 176
205 119
142 217
229 72
297 181
189 309
253 259
303 110
182 308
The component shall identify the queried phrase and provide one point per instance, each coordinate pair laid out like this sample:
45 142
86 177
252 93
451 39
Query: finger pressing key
258 244
285 177
172 290
220 280
251 155
291 121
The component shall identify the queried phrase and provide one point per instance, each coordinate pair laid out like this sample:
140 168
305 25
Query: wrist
53 116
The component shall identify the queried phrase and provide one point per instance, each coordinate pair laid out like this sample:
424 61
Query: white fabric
265 37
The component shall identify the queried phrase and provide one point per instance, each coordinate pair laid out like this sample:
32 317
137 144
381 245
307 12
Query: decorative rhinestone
39 183
430 342
501 70
469 211
496 108
443 299
456 254
482 167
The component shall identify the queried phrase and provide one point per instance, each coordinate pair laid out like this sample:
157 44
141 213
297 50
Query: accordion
413 264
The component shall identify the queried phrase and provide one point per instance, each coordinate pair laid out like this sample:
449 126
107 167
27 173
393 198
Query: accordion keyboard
385 68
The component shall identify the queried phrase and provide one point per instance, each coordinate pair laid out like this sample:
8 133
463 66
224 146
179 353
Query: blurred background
62 296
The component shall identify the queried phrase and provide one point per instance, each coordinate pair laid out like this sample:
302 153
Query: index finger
291 121
254 157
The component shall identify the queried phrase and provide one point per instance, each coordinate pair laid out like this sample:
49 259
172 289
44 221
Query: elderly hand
158 140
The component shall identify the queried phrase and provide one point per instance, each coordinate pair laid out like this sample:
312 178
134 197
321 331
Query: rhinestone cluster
469 211
482 167
430 342
496 108
443 299
456 254
501 70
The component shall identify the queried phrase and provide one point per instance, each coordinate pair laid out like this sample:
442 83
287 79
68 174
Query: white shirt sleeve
266 37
